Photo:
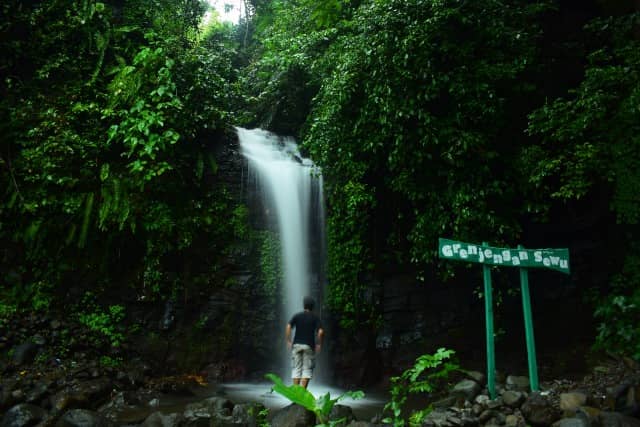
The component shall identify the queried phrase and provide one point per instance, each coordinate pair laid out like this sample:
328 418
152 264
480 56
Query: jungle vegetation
510 121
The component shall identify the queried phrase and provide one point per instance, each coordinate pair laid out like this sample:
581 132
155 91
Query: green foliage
618 311
428 372
107 139
321 406
271 262
108 324
409 103
110 362
590 140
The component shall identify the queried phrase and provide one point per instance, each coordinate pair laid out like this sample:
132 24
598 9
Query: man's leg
308 364
296 364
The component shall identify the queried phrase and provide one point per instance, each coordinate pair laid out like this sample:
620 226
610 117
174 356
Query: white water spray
292 187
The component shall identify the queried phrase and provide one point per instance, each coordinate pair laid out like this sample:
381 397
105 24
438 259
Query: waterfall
291 187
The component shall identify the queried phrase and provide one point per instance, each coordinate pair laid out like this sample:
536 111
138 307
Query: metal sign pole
488 312
528 328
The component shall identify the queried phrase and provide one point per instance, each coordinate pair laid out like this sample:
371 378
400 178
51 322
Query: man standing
306 342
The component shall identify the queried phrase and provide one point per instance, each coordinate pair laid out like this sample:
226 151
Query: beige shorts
303 360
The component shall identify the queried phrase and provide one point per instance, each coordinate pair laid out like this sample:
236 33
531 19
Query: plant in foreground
423 377
321 406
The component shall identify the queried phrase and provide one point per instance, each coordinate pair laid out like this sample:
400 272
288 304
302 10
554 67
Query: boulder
24 414
539 410
247 414
616 419
572 422
466 389
342 412
158 419
513 398
517 383
293 416
570 402
25 353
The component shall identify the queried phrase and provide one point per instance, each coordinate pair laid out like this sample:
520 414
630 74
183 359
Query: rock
293 416
466 389
37 392
570 402
514 420
517 383
495 403
247 414
220 406
158 419
445 402
512 398
482 399
83 418
87 394
615 419
478 377
572 422
24 414
25 353
437 418
486 415
538 410
342 412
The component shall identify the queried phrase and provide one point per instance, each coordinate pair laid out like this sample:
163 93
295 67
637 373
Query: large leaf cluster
109 113
416 115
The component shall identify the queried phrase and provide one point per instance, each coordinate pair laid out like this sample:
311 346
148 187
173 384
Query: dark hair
308 303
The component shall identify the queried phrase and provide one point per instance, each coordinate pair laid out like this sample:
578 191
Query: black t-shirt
306 324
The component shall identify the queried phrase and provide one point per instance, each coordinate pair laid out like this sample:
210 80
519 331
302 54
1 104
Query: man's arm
287 335
319 339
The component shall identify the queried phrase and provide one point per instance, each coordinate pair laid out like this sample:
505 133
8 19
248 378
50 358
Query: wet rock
482 399
38 392
514 420
83 418
25 353
158 419
572 422
293 416
219 406
615 419
342 412
466 389
445 402
83 395
478 377
495 403
486 415
517 383
512 398
539 410
247 414
24 414
570 402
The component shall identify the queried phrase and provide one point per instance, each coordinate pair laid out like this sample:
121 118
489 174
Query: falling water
292 189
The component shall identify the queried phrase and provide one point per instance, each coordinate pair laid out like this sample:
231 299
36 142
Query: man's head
308 303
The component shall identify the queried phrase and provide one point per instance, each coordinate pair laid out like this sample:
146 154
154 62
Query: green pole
528 328
488 311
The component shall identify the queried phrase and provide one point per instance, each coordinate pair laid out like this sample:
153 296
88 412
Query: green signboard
554 259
